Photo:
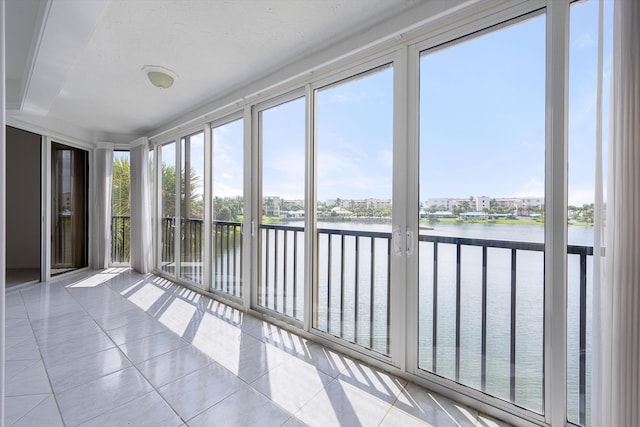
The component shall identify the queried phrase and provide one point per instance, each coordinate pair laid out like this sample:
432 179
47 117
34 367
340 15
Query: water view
350 305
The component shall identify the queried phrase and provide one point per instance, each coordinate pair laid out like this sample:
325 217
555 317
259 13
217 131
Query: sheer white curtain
616 356
102 207
141 245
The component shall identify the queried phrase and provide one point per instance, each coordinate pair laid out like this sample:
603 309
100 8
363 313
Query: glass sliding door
282 199
481 193
192 207
166 235
227 206
69 208
354 143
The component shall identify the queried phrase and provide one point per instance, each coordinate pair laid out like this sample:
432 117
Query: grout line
44 366
133 365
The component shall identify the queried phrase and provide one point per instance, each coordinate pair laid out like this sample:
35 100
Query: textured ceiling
85 66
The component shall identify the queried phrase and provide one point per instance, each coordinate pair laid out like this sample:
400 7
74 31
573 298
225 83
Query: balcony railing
350 305
281 283
352 298
191 245
227 257
354 275
515 249
167 237
120 239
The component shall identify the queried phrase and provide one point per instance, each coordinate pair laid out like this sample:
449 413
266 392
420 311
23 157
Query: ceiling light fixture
159 76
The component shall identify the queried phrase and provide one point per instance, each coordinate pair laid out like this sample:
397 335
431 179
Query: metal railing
167 240
515 248
120 239
191 245
191 249
352 293
227 257
354 285
281 280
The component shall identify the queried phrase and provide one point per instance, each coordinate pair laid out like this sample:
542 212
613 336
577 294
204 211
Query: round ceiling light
159 76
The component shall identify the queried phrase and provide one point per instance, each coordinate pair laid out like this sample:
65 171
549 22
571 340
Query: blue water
529 367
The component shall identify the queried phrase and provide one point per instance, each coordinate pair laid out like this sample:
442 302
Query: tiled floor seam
31 410
44 365
142 374
393 404
154 389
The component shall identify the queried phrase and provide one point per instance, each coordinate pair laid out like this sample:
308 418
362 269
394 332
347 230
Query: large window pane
282 137
354 189
228 201
120 208
166 258
192 207
482 156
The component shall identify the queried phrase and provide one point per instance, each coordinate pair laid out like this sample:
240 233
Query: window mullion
177 233
555 354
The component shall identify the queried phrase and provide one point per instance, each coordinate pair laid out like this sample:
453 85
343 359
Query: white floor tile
148 410
22 348
45 414
398 418
154 345
15 368
130 317
294 422
173 365
485 421
432 408
339 404
328 361
292 384
65 375
251 362
14 307
201 389
17 327
373 381
142 329
89 400
88 329
245 407
17 407
62 328
33 380
76 347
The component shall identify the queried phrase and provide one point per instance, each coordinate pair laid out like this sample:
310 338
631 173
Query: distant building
360 203
449 203
522 205
271 205
483 203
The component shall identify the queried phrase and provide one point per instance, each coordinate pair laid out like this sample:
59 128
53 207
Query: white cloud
579 196
533 187
584 41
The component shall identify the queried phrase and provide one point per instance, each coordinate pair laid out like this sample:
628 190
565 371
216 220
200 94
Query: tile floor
114 347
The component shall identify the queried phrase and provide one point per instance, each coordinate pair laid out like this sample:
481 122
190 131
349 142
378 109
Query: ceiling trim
16 88
56 49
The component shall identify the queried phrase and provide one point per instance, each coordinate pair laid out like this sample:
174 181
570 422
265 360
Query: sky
482 123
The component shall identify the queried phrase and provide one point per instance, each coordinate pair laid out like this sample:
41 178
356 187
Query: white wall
23 199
